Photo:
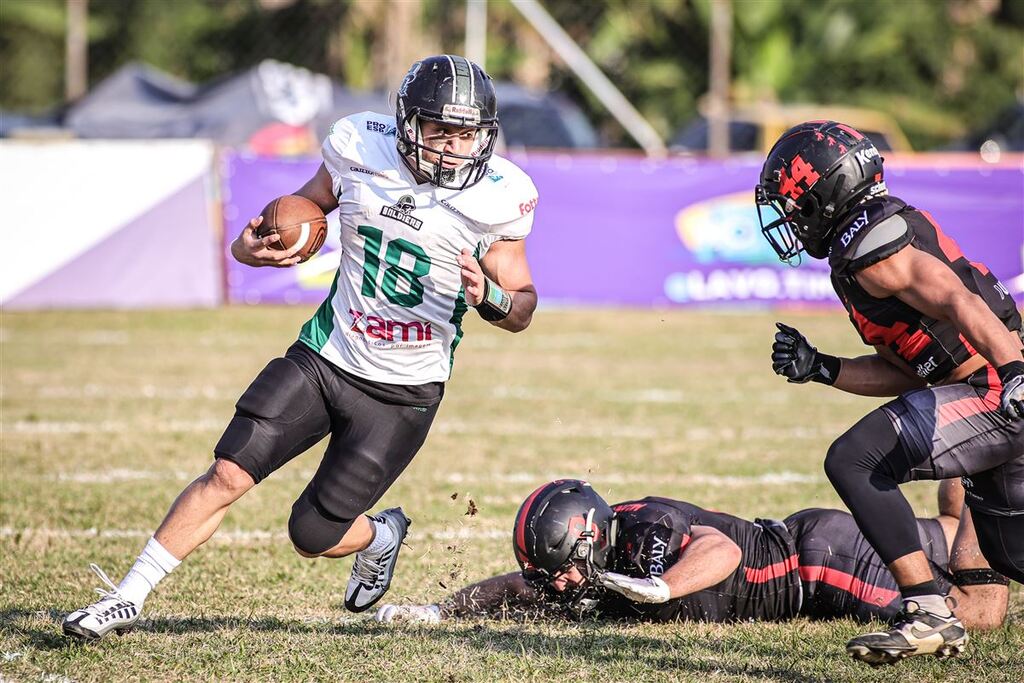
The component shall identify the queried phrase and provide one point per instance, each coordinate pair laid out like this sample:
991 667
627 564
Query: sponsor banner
110 223
623 230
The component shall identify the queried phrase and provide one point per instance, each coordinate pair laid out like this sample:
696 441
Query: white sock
933 604
382 539
154 563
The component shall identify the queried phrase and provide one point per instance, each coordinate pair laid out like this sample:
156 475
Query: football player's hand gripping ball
1011 400
650 590
794 358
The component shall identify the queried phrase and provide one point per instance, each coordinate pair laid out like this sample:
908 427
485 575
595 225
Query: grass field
106 416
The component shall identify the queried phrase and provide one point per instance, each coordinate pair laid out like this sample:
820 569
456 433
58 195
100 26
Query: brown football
298 221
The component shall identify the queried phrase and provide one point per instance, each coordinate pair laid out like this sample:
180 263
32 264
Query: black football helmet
563 523
453 90
814 174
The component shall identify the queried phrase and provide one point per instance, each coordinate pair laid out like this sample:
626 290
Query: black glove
794 358
1011 400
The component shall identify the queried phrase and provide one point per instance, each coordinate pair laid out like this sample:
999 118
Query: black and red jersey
651 534
875 231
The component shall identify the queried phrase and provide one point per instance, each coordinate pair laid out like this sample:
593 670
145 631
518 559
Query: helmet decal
815 174
799 172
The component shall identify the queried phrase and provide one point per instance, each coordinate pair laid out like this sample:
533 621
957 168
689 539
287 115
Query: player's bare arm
253 250
922 281
490 596
708 559
319 190
504 265
881 374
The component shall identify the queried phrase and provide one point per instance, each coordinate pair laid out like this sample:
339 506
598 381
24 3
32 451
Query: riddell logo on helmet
460 113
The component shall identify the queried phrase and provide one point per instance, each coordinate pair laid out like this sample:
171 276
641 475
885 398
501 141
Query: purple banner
624 230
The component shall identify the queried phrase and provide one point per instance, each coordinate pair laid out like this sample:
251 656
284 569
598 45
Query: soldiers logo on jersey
402 211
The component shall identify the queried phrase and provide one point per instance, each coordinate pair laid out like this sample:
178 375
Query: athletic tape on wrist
1008 371
979 577
496 303
828 369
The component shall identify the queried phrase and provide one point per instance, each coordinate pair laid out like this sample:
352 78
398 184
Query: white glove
649 590
410 614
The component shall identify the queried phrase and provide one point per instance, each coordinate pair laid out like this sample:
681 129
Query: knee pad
313 530
351 486
840 461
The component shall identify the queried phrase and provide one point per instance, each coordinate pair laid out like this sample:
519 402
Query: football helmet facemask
814 174
454 91
562 524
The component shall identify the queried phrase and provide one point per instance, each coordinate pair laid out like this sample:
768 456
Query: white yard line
114 427
653 477
235 536
548 428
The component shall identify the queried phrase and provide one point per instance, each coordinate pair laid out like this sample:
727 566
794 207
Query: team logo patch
401 211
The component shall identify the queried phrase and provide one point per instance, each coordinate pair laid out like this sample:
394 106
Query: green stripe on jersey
460 311
317 329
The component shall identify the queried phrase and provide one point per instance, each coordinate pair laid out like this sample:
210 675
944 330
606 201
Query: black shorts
956 430
301 398
843 576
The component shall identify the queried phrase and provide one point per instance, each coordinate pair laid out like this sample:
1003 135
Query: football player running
947 339
659 559
432 223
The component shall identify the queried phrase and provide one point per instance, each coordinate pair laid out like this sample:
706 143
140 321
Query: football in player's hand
296 220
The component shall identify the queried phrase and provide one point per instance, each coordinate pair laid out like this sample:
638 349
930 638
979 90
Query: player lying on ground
662 560
947 337
431 224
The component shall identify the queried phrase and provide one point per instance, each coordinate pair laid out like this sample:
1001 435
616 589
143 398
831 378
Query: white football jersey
394 312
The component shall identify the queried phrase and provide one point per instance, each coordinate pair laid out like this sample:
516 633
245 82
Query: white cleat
111 613
915 632
409 614
371 574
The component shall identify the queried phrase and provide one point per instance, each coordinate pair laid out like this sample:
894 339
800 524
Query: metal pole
718 100
476 32
577 60
76 50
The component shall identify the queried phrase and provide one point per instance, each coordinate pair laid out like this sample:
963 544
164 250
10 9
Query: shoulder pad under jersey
365 138
503 200
875 231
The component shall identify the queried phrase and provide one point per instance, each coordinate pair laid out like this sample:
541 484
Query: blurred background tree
939 67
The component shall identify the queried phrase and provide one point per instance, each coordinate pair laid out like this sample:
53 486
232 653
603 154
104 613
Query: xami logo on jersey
658 548
401 211
527 207
389 330
858 224
925 368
